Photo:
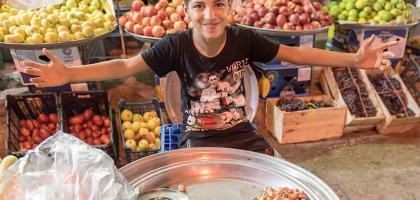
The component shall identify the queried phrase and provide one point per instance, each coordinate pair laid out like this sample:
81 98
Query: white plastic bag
32 4
64 167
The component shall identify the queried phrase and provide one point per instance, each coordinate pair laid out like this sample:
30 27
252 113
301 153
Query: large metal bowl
283 33
143 38
222 174
354 25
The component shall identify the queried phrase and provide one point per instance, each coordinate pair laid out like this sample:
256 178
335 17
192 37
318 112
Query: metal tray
222 174
143 38
173 96
354 25
57 45
272 32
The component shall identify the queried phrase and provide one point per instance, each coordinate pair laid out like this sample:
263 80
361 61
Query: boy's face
209 16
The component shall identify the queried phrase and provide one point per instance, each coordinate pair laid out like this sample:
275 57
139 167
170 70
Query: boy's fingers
36 80
34 65
50 55
32 71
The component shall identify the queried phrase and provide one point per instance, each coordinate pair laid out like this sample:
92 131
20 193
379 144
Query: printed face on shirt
209 17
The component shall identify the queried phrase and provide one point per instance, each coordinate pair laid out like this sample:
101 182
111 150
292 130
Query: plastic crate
141 108
24 107
169 137
74 103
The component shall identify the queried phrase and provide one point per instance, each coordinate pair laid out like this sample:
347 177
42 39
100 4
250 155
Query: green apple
400 18
353 13
388 6
372 14
352 18
86 1
367 9
395 12
378 6
335 10
84 8
71 4
349 5
363 14
400 6
381 13
342 5
96 4
377 19
50 9
387 16
362 20
395 2
360 4
99 31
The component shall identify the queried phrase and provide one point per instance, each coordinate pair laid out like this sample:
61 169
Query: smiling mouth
211 26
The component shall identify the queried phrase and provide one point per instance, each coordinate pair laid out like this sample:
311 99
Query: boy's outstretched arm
56 73
366 57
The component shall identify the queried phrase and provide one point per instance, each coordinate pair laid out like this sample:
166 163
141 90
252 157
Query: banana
7 162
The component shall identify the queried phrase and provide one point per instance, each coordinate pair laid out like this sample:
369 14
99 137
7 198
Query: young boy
210 60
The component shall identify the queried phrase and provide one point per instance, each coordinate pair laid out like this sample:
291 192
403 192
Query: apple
75 28
137 17
128 26
99 31
162 14
89 31
138 29
304 18
288 26
175 17
270 18
131 144
155 21
294 19
136 5
50 37
179 26
268 26
259 24
47 23
281 20
63 36
147 31
149 11
180 10
170 10
284 10
143 145
168 24
158 31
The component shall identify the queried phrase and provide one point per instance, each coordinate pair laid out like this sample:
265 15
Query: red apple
291 5
149 11
259 24
188 19
129 26
307 26
262 12
158 31
255 17
137 17
281 20
136 5
138 29
304 18
170 10
180 26
298 27
122 20
158 6
164 3
175 17
288 26
168 24
155 21
274 9
147 31
145 21
284 10
270 18
180 10
317 5
315 25
268 26
298 9
294 19
162 14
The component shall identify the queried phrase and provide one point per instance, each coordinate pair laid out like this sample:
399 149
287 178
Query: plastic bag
64 167
32 4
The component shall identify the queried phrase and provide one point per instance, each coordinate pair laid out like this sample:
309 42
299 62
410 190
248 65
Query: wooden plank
351 129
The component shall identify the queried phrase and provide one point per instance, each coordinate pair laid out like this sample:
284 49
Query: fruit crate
75 103
24 107
393 124
305 125
353 123
169 137
140 108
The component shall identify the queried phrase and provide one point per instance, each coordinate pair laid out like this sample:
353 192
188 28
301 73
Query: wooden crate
392 124
353 123
306 125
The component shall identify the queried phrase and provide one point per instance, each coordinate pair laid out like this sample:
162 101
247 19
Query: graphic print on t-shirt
217 98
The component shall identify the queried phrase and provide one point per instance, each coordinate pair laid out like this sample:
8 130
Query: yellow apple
62 28
156 131
75 28
53 18
1 36
152 124
64 22
79 36
88 31
129 134
4 30
24 19
153 113
110 17
131 144
147 116
28 40
156 119
9 38
50 37
43 15
37 38
47 23
108 25
4 16
64 36
51 30
19 38
126 125
126 115
12 21
144 125
137 118
20 31
135 126
36 21
153 146
157 142
99 31
13 11
98 23
30 30
87 24
143 132
143 145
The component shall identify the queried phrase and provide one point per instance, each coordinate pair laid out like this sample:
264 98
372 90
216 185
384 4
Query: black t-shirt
212 88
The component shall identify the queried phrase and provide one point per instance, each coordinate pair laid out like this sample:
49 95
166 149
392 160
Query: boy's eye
198 6
220 5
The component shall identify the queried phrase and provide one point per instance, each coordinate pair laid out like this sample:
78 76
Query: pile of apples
157 20
92 128
283 14
374 12
141 132
34 131
70 21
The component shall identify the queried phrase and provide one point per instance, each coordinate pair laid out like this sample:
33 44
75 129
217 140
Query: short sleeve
161 57
262 49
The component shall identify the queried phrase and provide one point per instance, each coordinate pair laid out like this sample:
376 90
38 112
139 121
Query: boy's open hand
370 58
53 74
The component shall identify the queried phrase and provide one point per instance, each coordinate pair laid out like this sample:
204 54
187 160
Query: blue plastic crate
169 137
